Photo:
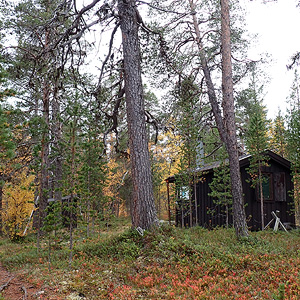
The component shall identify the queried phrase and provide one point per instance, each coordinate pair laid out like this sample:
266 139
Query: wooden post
169 207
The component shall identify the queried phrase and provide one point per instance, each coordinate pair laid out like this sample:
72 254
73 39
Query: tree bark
57 138
225 124
239 216
143 209
44 173
38 221
261 196
1 206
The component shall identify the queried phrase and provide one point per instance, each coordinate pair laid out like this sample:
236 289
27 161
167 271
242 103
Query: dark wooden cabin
276 190
68 207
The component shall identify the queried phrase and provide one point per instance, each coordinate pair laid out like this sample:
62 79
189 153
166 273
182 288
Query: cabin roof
244 161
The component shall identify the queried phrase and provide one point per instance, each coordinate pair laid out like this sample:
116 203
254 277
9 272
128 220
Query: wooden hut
68 207
205 212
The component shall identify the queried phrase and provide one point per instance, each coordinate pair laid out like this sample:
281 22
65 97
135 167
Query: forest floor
170 263
15 287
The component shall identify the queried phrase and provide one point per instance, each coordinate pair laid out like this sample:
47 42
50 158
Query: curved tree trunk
225 124
143 208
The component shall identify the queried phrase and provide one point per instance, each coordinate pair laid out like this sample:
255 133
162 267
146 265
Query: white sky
277 24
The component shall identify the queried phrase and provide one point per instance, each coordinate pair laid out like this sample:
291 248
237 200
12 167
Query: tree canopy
101 86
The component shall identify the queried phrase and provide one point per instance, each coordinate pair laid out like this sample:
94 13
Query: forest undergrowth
169 263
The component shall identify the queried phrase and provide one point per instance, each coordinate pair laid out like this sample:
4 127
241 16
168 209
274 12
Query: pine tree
197 52
7 142
278 141
40 71
257 142
221 188
32 72
143 213
293 149
92 175
294 97
293 141
187 127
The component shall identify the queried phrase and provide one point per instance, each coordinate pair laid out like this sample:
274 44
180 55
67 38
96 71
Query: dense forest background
84 90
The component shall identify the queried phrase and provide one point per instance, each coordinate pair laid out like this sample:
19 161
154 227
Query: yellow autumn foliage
18 199
166 156
117 171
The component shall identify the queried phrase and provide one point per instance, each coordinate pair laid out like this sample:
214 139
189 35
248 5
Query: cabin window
184 192
267 187
279 187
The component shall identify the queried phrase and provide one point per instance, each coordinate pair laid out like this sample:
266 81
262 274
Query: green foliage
256 136
4 92
127 245
7 143
221 188
294 97
189 114
53 219
188 101
257 142
278 141
293 141
220 185
91 175
280 294
293 123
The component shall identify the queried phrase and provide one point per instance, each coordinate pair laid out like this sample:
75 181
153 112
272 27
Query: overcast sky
277 23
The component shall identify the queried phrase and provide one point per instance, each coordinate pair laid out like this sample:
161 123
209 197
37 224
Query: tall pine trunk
45 135
44 172
239 216
56 141
261 195
1 206
225 124
143 208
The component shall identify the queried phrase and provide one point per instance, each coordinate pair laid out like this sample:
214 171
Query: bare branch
2 287
23 288
151 120
214 150
295 61
114 117
109 53
80 33
159 8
